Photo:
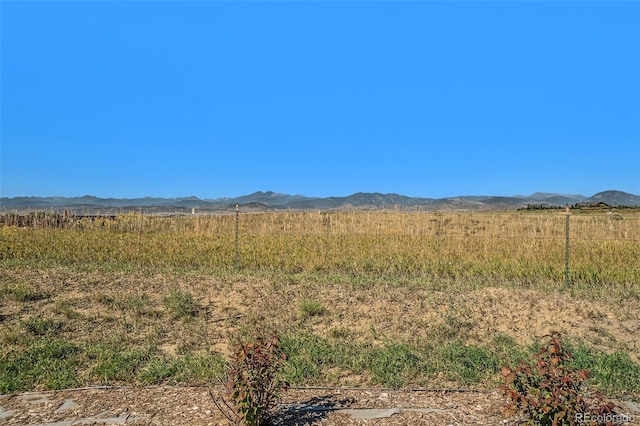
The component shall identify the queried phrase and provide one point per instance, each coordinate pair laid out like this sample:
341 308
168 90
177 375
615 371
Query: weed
306 353
340 333
50 362
180 304
114 365
66 309
452 327
614 372
393 365
159 370
38 326
138 304
311 308
468 364
22 292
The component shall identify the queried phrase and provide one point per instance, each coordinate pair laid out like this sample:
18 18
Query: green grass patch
181 304
467 364
612 373
311 308
21 292
116 365
394 365
38 326
49 363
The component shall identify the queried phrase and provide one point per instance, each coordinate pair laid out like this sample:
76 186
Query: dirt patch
91 302
194 406
526 315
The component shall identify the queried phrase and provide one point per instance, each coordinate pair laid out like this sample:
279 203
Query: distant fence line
598 243
382 223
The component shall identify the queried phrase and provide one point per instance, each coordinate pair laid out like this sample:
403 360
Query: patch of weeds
340 333
613 373
201 368
181 304
191 337
311 308
159 370
50 363
467 364
22 292
310 359
66 309
116 365
107 300
138 304
394 365
507 349
11 338
306 354
451 327
42 326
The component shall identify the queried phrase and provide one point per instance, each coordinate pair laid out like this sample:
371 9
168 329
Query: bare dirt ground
194 406
369 313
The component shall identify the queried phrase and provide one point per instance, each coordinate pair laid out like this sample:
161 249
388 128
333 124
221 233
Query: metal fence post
566 249
237 259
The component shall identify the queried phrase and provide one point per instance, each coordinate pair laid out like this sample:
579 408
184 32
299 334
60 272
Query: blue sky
214 99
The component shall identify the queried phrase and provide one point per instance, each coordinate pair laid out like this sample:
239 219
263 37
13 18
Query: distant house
592 205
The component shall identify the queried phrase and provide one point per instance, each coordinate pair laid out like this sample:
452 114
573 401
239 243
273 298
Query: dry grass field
383 299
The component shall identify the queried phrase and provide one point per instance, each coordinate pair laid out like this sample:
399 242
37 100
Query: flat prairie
359 300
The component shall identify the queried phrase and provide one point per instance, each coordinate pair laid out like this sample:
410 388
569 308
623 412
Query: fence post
140 250
237 259
567 283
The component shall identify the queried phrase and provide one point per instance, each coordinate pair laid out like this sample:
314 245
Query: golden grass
521 247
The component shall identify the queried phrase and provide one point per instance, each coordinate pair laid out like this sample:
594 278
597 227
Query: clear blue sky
213 99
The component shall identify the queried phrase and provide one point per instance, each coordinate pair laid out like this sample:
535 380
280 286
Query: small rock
66 405
635 408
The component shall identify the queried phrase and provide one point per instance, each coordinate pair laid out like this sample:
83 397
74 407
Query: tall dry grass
515 246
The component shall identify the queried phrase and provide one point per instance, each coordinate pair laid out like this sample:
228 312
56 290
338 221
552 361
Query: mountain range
266 201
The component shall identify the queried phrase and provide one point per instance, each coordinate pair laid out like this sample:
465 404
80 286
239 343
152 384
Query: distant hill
614 198
267 201
544 196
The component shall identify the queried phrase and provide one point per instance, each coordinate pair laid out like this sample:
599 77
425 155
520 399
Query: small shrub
254 382
551 391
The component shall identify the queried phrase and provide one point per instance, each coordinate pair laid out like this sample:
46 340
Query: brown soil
194 407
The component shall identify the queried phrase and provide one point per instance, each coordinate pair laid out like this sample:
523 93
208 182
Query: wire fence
595 248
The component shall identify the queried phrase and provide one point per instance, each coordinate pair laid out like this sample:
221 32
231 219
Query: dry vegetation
376 299
522 247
